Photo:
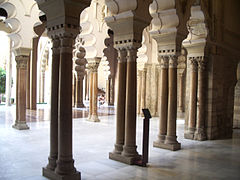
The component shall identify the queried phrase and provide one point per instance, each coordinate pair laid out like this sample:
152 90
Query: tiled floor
24 153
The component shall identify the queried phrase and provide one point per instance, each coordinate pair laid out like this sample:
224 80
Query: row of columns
167 138
195 127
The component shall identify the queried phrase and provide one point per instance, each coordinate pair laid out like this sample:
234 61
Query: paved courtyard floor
24 153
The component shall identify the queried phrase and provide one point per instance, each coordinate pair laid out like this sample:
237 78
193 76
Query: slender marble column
200 133
143 89
90 94
88 84
28 85
130 148
192 100
171 138
94 116
120 116
139 88
9 75
20 122
65 163
107 94
180 102
33 76
79 92
54 108
163 102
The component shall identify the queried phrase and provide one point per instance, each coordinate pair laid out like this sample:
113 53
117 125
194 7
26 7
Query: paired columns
93 90
125 146
21 61
167 138
61 163
195 128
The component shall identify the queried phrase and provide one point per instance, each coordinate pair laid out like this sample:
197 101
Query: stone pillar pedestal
20 122
189 134
200 133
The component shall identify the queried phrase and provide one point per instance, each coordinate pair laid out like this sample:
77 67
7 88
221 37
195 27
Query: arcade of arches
91 60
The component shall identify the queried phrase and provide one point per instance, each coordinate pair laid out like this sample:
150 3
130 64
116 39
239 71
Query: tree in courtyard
2 82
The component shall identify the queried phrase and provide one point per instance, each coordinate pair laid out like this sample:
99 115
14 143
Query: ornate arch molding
12 24
119 6
195 42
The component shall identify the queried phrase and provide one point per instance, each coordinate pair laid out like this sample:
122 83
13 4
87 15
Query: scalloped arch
14 24
10 8
16 40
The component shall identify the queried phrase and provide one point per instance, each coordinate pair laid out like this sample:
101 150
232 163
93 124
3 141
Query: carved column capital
164 63
55 45
173 61
193 64
201 63
21 61
132 54
122 54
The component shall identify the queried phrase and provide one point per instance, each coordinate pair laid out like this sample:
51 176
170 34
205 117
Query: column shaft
9 76
192 101
163 105
33 75
28 85
171 138
79 92
139 88
20 122
130 148
200 133
65 162
143 89
54 107
90 94
120 115
94 116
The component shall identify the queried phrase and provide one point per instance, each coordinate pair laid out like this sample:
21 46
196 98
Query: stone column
90 93
20 122
54 109
130 149
139 88
93 101
33 76
180 102
94 116
107 94
120 115
79 91
28 85
143 89
192 100
171 138
65 163
9 76
163 105
87 84
200 133
112 91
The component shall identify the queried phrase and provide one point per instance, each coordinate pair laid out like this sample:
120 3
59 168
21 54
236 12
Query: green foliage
2 80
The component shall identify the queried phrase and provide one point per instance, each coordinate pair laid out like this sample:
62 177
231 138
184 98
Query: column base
173 147
200 135
124 159
94 118
189 134
52 175
79 106
20 126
